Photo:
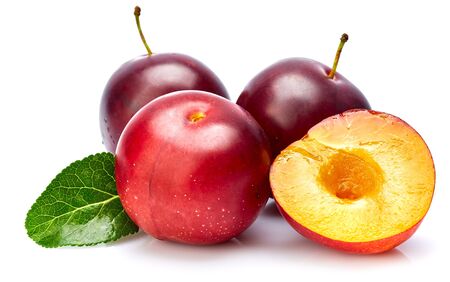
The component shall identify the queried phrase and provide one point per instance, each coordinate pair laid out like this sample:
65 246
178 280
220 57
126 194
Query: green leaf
80 207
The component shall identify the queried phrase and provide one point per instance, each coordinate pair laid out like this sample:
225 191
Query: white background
56 57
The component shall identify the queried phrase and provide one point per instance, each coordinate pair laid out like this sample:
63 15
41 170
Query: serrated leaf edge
33 207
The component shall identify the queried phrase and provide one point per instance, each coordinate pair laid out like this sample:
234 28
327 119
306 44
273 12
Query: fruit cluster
193 167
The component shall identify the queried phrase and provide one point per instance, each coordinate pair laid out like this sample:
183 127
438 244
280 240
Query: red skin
292 95
371 247
198 182
145 78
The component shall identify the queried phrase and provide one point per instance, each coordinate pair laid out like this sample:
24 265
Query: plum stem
137 13
344 38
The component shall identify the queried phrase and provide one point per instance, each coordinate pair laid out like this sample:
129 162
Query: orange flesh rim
356 177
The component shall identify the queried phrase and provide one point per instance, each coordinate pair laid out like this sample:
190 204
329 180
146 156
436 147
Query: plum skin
145 78
195 182
292 95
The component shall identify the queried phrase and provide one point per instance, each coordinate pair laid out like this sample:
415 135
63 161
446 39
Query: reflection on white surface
271 239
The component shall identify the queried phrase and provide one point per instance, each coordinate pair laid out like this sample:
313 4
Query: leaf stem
344 38
137 13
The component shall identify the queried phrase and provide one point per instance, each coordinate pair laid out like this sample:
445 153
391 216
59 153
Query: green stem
344 38
137 13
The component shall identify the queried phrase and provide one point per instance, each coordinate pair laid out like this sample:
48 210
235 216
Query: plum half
361 182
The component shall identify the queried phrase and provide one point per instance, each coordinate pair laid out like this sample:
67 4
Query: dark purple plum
292 95
145 78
